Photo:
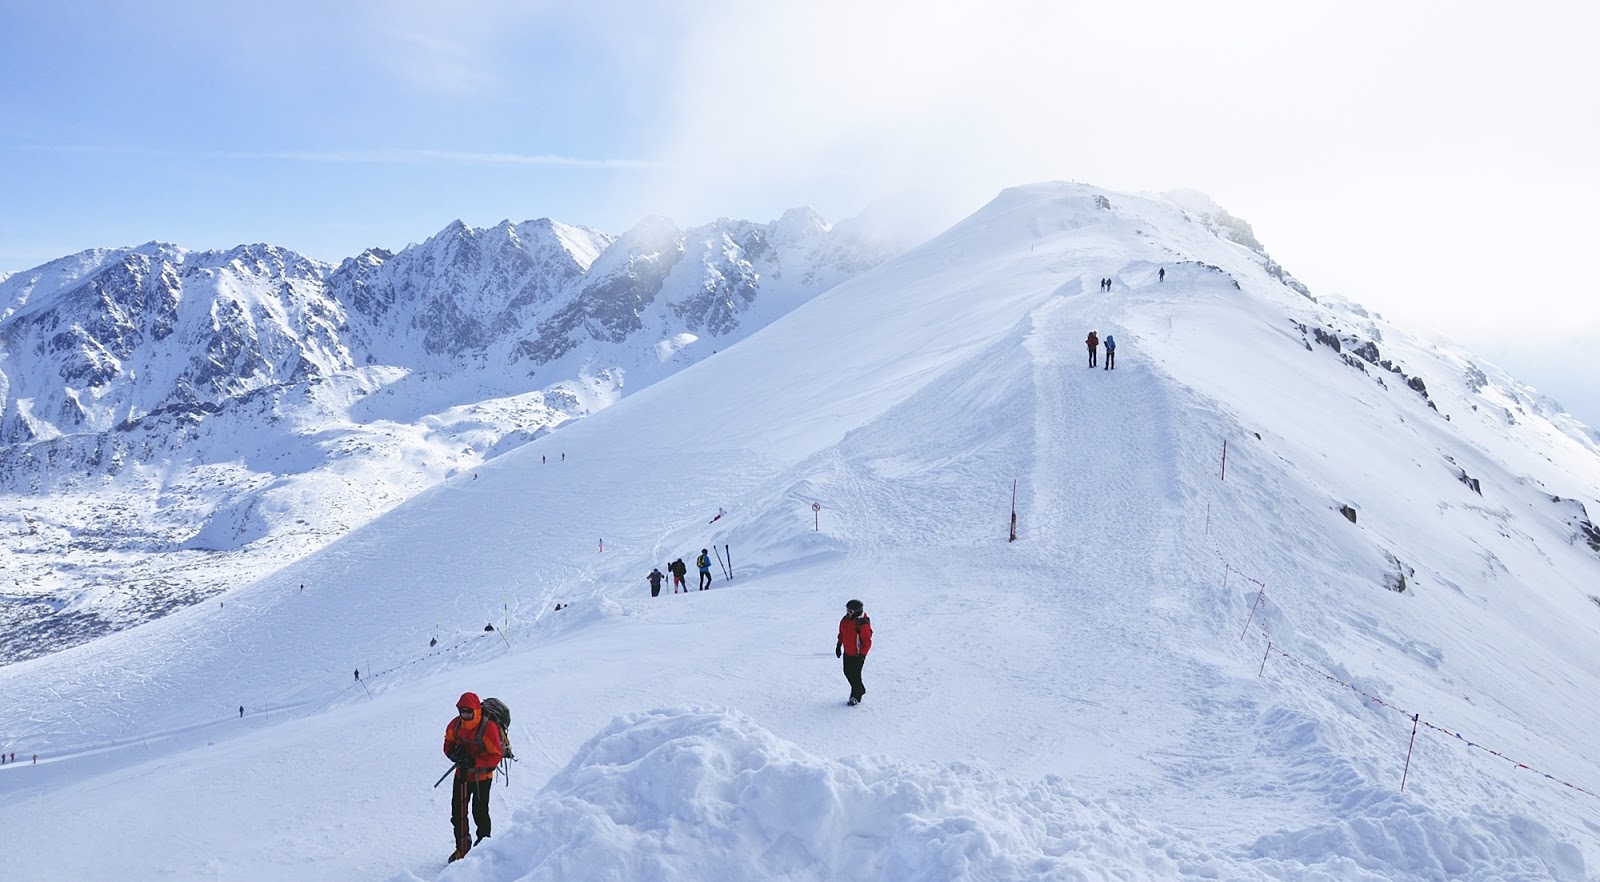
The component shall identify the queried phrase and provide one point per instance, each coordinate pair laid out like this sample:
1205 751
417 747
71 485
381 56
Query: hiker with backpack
655 578
855 640
704 563
1111 353
475 743
1093 342
679 571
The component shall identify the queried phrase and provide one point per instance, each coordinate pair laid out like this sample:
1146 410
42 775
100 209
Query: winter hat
854 606
468 699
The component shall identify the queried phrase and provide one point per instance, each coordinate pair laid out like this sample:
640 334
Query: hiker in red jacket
475 744
1093 342
855 640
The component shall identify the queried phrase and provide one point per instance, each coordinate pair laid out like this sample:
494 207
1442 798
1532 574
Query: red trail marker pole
1013 510
1259 595
1415 718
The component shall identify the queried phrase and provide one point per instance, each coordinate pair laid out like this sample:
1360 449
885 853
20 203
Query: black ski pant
655 589
1111 359
477 793
1092 351
852 672
705 579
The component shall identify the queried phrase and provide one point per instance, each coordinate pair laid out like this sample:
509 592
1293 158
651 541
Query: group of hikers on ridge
680 571
1105 284
476 742
1093 342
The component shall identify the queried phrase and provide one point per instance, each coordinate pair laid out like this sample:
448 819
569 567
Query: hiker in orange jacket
475 744
855 640
1093 342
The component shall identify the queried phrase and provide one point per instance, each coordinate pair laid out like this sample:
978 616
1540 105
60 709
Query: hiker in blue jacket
704 563
1111 353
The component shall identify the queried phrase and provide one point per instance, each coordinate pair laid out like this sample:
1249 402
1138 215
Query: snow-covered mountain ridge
1086 702
170 420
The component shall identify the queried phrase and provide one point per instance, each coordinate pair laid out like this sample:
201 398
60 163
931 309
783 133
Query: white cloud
1430 159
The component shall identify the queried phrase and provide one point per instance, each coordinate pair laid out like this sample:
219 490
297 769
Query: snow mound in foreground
701 794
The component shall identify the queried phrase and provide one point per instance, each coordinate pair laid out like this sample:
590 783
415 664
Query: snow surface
1079 704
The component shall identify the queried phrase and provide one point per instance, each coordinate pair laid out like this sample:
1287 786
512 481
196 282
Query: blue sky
1432 160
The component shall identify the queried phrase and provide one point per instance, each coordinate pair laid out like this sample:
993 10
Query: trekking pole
444 776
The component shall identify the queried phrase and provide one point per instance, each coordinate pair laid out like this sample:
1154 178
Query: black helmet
854 606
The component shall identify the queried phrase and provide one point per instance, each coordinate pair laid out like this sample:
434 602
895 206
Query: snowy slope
1079 704
174 423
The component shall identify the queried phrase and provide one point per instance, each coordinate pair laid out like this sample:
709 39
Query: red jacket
478 736
855 635
1092 340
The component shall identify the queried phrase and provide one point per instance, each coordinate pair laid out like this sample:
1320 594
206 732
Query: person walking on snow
679 571
855 640
1093 343
655 578
1111 353
704 563
1163 275
475 744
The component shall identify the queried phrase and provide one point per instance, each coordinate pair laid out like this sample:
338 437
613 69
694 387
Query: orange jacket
478 736
855 635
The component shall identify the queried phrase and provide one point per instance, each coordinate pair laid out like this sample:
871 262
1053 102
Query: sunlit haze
1433 161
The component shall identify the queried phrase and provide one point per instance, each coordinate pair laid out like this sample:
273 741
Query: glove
838 650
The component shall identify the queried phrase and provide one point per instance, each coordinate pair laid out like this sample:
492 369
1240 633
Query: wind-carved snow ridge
710 794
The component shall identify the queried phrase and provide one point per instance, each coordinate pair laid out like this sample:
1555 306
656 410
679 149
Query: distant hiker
1093 342
679 572
302 587
543 459
1162 276
241 711
358 673
1111 353
432 643
720 513
475 744
655 578
704 563
855 640
563 456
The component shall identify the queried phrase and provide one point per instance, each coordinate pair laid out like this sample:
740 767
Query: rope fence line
1415 718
